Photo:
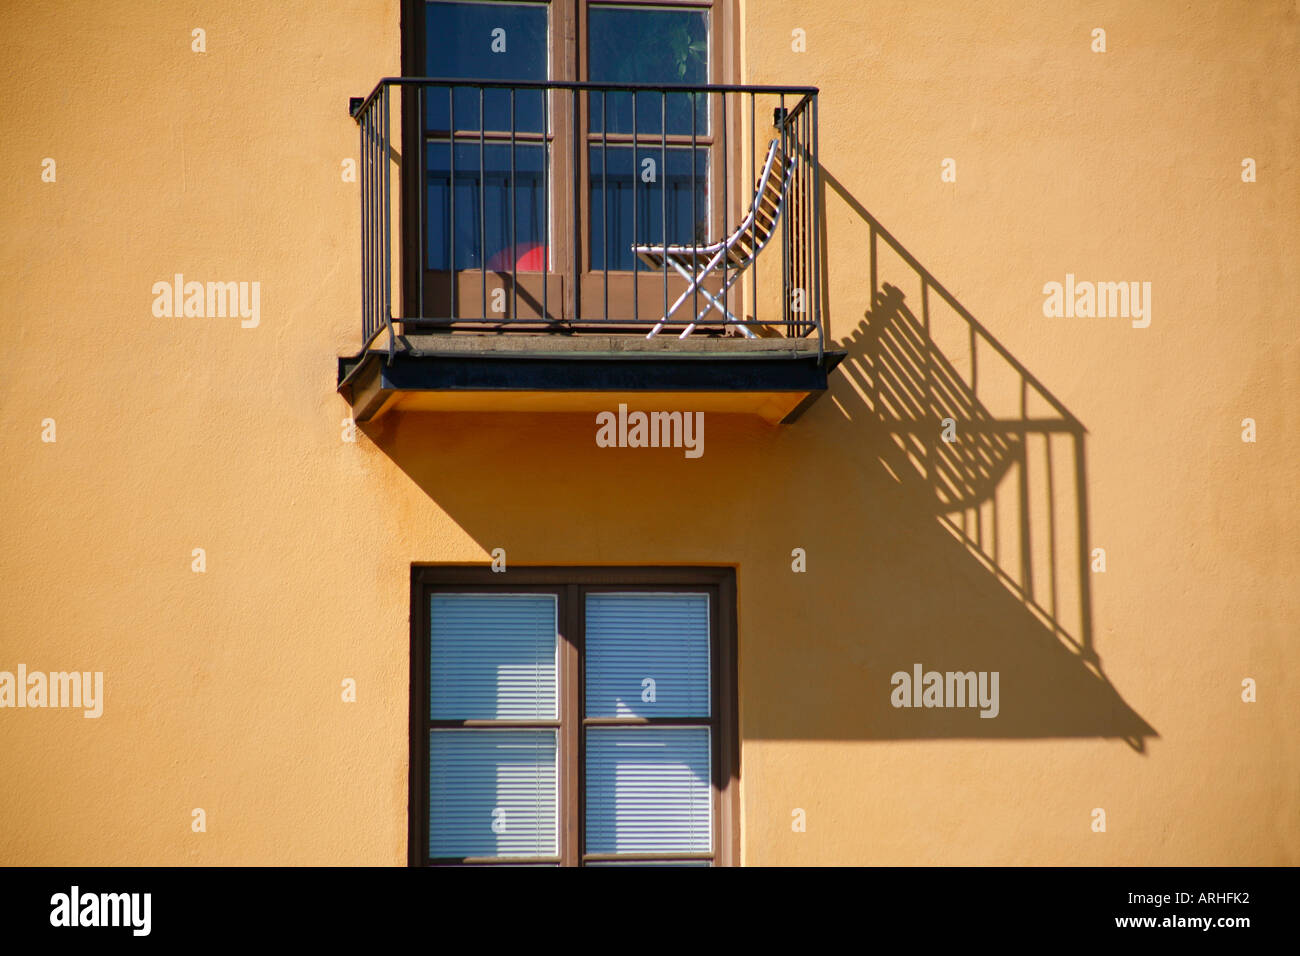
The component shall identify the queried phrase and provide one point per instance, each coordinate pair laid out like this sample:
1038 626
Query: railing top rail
804 91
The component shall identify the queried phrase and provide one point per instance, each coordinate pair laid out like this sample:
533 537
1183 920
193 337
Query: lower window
582 716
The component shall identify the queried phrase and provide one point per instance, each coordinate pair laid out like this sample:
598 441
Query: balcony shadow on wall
987 473
961 552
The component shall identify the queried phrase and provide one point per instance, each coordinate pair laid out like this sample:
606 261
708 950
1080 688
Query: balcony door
532 201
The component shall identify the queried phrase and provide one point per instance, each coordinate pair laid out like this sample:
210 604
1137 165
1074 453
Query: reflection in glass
485 41
639 45
486 239
613 177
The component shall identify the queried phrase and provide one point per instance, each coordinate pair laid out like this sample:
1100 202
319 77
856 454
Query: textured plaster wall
223 688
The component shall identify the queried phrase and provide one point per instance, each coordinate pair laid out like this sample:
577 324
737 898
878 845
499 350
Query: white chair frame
684 258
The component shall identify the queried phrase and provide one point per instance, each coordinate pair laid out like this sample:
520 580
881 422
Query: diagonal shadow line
931 590
913 389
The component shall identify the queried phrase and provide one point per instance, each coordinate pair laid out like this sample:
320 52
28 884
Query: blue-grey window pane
460 39
640 45
492 657
486 238
611 173
492 793
636 638
648 790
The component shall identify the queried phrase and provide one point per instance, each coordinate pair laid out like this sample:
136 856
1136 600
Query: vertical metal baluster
365 219
423 200
451 179
695 257
636 234
376 263
753 275
809 203
367 154
803 215
377 216
374 219
482 206
388 230
790 214
786 315
576 285
514 214
604 190
802 224
726 292
365 227
546 200
819 266
792 219
663 185
804 250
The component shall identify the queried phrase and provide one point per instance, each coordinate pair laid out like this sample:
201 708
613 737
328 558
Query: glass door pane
650 155
488 188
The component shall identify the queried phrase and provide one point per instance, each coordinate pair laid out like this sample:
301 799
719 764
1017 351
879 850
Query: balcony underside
774 378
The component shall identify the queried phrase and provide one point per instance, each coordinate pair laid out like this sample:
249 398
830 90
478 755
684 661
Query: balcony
568 246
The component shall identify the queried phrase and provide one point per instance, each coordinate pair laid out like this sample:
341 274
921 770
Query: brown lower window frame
570 584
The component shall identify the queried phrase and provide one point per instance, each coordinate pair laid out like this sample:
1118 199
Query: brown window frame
570 585
570 280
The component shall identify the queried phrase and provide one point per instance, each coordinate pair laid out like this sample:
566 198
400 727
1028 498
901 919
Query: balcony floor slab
774 378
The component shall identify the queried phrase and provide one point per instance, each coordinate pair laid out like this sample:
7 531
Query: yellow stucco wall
222 688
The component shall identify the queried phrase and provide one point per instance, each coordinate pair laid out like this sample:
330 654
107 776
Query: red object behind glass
526 257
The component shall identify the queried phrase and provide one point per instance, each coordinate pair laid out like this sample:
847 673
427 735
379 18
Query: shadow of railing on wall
997 458
989 477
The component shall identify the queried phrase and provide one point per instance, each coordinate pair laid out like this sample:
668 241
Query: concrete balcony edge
774 378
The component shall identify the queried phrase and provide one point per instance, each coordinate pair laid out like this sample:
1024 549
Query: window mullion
571 726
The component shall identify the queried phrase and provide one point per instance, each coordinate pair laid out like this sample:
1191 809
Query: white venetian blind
647 655
492 656
648 790
492 793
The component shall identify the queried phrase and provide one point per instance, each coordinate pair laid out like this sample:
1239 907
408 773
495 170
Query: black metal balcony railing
534 196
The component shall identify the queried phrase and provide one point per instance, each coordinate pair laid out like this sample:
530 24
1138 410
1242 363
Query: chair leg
675 306
716 303
692 282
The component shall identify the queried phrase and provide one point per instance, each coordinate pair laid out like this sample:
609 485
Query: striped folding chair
732 255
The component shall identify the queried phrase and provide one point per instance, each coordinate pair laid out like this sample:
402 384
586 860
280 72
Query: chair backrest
758 227
754 231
